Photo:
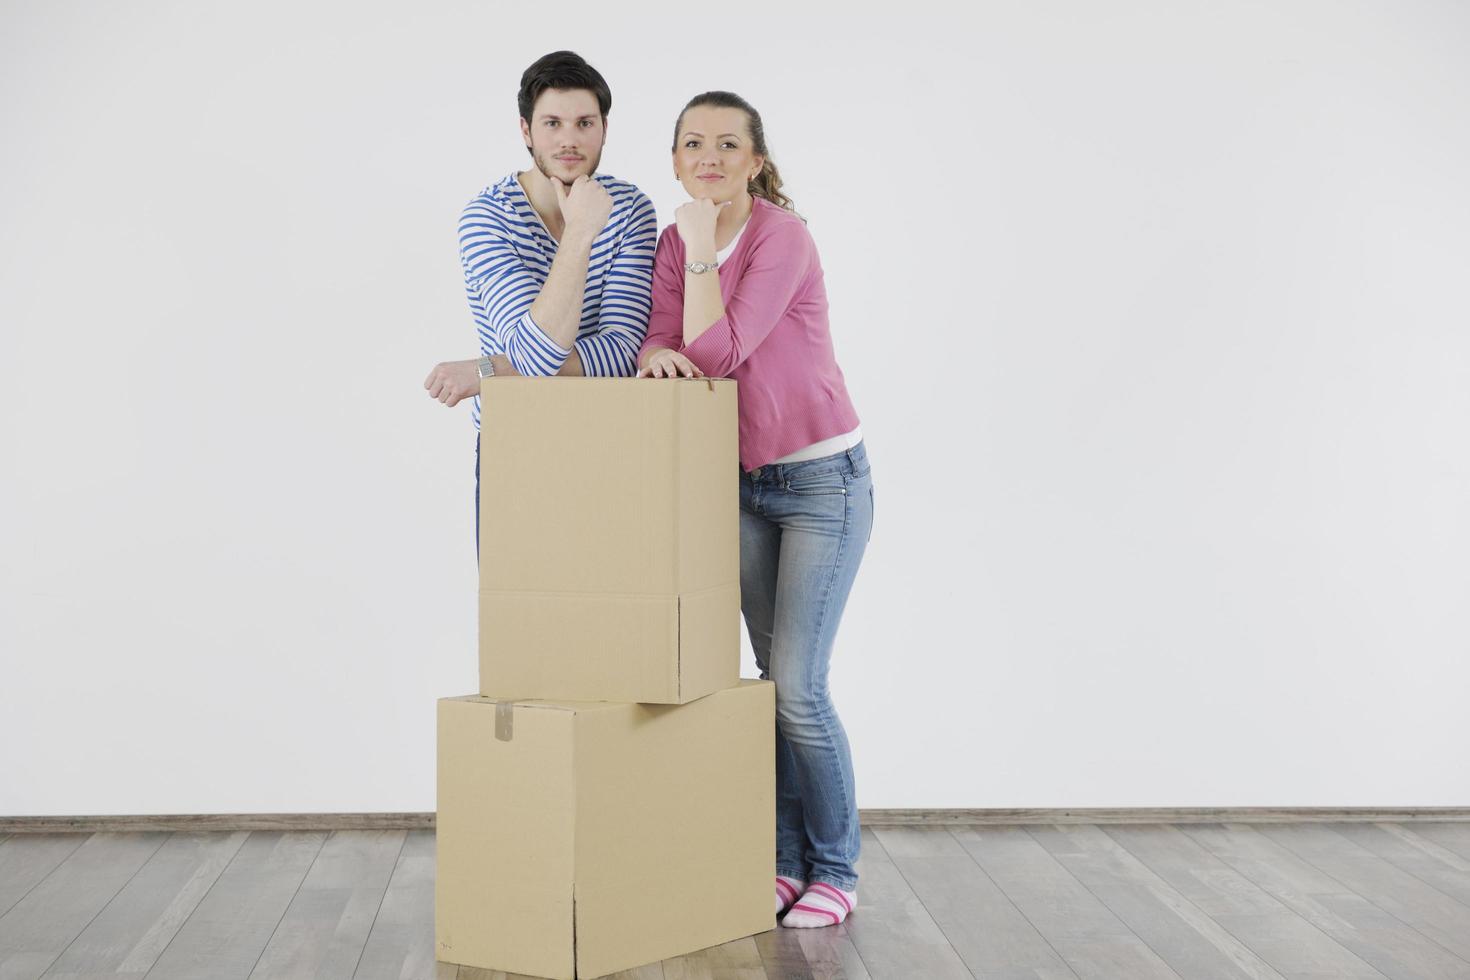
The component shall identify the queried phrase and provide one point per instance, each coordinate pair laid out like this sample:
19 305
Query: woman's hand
665 363
696 221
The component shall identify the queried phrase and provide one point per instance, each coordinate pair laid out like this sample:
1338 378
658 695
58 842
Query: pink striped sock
820 905
788 890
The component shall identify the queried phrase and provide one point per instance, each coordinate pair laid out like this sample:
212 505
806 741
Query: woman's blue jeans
803 530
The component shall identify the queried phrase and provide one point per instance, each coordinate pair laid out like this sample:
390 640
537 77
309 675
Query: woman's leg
824 509
760 551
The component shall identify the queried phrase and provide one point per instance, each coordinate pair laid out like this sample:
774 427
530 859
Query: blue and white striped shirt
506 252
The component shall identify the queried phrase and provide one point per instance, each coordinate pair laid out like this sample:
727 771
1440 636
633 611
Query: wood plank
893 932
830 953
1392 947
128 935
1093 941
40 926
1392 889
230 927
325 928
737 960
400 945
983 925
26 860
1291 944
810 954
1442 869
1192 943
1453 837
782 955
1413 836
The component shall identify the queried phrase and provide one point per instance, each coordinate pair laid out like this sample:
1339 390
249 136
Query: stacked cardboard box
608 798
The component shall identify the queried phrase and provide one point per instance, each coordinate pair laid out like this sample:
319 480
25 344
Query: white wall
1155 315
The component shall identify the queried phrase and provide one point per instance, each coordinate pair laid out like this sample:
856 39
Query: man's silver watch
487 368
701 267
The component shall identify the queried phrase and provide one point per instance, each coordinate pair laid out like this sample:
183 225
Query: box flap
577 485
709 641
656 784
559 645
505 842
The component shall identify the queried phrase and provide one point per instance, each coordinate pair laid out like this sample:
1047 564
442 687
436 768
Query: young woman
738 293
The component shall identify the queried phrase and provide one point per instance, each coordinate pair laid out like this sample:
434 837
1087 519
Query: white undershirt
724 253
827 447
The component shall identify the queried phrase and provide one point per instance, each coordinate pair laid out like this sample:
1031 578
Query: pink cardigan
773 339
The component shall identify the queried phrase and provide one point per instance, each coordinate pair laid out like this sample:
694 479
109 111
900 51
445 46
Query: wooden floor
1041 902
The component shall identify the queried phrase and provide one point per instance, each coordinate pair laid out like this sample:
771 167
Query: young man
558 259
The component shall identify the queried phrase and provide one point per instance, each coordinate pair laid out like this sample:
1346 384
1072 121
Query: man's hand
454 381
665 363
696 220
585 205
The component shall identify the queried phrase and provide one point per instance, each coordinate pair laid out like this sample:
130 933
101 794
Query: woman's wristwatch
487 368
701 267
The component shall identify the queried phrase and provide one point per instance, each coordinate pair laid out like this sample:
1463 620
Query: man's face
566 133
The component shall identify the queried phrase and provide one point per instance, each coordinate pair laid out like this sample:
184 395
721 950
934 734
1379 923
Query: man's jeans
803 530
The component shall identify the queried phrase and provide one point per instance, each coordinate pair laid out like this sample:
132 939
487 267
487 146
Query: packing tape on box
505 720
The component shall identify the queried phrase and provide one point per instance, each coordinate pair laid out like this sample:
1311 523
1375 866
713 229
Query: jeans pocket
817 485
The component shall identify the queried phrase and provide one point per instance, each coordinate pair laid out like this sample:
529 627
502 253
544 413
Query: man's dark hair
561 70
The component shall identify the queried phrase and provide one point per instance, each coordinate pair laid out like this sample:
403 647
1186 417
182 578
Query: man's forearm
572 368
558 307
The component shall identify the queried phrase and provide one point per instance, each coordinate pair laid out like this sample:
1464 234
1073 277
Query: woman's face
713 156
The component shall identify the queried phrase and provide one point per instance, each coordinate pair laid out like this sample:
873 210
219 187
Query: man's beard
544 164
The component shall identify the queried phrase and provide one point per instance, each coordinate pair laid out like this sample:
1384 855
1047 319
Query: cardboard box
609 539
576 839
